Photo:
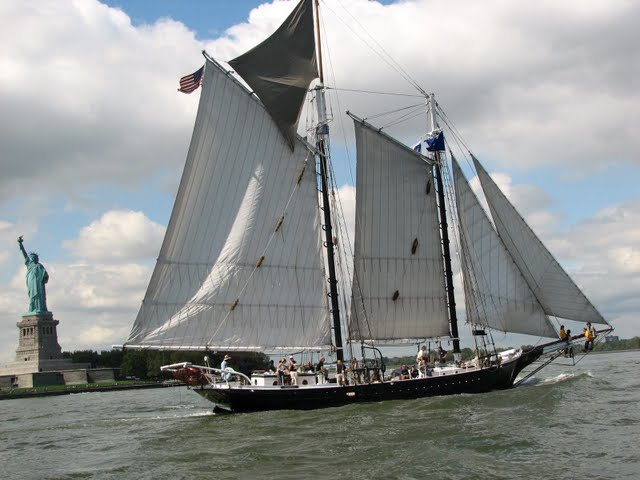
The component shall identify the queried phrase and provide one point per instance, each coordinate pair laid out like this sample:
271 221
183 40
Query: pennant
435 142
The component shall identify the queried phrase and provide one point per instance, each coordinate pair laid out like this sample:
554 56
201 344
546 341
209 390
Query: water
566 423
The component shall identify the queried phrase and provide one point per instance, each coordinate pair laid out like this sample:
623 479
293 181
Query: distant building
611 339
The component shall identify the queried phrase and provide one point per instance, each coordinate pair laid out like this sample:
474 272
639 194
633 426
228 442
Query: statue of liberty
37 276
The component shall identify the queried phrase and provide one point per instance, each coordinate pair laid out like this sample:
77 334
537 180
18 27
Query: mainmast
322 135
453 318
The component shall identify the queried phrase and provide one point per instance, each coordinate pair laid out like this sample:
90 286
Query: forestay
496 293
554 289
398 284
244 195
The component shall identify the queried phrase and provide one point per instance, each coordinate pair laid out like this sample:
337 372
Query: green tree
134 364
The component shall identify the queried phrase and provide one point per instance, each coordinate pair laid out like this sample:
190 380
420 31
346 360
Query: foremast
322 137
446 251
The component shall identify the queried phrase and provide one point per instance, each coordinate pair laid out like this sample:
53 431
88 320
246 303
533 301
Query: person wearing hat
223 366
292 367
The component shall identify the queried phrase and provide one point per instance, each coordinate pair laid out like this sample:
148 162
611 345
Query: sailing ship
249 259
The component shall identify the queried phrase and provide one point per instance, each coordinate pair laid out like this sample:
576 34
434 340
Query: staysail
552 286
496 293
280 69
241 263
398 284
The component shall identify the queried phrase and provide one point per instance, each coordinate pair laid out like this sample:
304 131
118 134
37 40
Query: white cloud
89 95
519 79
118 235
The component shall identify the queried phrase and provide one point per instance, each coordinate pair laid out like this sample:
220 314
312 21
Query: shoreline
84 389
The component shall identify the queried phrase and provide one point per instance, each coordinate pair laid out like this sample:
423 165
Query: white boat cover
397 243
496 293
240 179
552 286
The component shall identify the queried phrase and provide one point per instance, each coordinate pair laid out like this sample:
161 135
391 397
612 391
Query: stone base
19 368
39 359
38 339
65 377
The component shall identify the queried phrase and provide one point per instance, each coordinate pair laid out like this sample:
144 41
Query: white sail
552 286
496 293
398 284
244 195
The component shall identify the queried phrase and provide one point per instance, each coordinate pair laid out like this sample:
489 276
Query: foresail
241 263
398 284
552 286
496 293
281 68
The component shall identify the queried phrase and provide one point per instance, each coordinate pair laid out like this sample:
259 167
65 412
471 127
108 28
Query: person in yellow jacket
563 335
588 339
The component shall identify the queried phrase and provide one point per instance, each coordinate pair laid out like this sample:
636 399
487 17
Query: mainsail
398 284
552 286
496 293
241 263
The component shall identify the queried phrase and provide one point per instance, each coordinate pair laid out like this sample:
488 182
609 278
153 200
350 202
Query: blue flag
436 142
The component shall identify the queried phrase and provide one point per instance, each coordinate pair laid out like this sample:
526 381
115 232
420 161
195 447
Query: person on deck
563 335
280 370
442 355
588 340
414 372
422 354
321 371
341 369
271 368
592 329
404 373
292 368
223 366
568 352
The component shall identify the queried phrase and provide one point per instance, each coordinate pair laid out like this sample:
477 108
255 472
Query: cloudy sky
94 133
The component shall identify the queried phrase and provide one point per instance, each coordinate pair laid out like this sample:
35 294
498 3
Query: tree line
145 364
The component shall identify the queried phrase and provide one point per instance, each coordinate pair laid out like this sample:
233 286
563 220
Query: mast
453 318
322 134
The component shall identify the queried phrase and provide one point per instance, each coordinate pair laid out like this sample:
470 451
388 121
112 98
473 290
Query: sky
94 133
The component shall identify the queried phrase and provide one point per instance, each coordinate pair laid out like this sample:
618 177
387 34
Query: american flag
191 82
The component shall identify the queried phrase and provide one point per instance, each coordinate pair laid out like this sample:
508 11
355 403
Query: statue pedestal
39 360
38 342
38 349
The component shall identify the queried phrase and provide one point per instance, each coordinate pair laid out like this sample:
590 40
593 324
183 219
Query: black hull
253 399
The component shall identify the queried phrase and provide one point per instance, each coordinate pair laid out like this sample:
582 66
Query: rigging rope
384 56
373 92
